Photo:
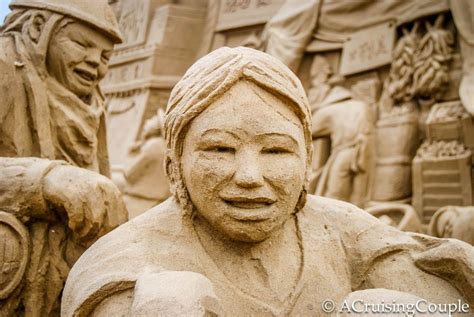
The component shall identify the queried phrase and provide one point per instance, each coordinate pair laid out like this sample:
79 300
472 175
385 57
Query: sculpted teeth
249 203
86 75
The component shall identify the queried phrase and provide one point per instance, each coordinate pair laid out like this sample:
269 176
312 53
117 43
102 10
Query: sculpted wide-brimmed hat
95 12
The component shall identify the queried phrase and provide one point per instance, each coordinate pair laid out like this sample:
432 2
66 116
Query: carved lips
84 74
249 209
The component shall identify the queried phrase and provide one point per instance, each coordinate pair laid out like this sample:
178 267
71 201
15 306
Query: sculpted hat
95 12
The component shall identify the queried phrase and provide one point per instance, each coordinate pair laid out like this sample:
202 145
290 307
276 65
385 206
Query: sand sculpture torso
240 236
52 57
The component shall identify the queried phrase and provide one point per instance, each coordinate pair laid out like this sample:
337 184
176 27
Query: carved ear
36 27
169 167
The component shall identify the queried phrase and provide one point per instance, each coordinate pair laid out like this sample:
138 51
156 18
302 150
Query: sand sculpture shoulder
161 241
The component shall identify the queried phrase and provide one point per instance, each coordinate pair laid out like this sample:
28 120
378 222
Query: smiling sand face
244 161
77 58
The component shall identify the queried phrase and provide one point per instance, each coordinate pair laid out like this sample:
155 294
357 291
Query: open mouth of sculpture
85 75
250 209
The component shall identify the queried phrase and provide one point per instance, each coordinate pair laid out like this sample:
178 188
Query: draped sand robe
163 240
347 122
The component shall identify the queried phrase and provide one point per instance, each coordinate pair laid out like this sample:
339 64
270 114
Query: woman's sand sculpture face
78 56
244 161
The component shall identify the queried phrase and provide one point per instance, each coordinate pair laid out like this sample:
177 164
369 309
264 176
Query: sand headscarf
207 80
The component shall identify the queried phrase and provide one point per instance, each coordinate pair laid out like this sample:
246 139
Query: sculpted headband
207 80
215 73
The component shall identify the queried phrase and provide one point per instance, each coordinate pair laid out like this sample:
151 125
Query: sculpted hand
91 202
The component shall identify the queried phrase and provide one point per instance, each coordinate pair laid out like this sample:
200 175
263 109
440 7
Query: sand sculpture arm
141 266
322 122
21 188
438 270
33 188
168 293
149 152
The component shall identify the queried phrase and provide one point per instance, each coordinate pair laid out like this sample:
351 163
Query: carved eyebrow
280 135
214 131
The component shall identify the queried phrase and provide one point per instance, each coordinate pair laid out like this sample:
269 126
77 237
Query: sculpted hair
18 24
207 80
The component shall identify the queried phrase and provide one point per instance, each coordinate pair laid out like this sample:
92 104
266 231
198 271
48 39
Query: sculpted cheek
284 173
211 171
102 70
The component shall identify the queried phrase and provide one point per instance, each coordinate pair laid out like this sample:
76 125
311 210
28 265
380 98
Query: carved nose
93 63
93 58
248 173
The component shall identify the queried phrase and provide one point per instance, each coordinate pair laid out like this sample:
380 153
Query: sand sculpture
421 52
348 124
53 202
405 64
453 222
143 181
161 40
240 235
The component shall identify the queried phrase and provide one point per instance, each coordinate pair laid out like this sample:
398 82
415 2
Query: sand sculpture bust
240 236
53 202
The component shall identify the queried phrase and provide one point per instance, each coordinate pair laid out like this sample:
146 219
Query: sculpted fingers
115 212
95 209
91 202
74 212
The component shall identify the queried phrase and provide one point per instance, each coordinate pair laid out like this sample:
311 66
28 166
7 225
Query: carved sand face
78 56
244 161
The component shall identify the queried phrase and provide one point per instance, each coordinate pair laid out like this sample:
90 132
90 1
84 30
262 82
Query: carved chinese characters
368 49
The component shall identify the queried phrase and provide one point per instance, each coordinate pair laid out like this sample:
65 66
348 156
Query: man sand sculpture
52 56
240 235
348 123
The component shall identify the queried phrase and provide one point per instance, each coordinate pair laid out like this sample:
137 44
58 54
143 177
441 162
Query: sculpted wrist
41 204
21 186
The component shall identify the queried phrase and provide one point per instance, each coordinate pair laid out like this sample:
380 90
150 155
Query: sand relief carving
462 12
143 181
423 136
53 202
348 124
416 80
239 139
453 222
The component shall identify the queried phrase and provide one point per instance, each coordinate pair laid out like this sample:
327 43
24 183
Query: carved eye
276 150
105 59
79 44
221 149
